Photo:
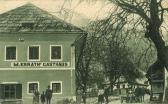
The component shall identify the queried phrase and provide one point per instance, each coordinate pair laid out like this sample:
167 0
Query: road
116 100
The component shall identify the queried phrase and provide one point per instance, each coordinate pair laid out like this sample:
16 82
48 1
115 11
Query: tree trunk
84 94
159 43
154 34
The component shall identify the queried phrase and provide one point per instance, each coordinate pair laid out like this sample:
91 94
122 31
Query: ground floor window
10 91
56 87
32 86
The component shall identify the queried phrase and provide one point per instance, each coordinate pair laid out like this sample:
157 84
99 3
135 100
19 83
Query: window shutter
19 91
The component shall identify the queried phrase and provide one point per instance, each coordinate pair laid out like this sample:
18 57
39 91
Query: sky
88 9
91 9
83 12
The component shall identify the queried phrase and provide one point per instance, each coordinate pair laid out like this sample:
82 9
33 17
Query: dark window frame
9 56
11 91
53 55
59 90
33 56
30 91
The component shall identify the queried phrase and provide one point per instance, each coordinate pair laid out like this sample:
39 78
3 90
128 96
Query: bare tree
148 16
151 15
84 58
113 52
145 15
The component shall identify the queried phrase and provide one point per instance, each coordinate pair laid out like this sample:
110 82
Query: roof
30 18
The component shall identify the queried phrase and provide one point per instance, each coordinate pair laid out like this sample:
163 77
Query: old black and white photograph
83 51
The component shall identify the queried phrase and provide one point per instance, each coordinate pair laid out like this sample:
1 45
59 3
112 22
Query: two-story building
37 49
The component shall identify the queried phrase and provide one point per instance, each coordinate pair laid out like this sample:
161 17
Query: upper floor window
56 52
34 53
10 53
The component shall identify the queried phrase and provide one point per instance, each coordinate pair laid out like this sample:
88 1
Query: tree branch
133 9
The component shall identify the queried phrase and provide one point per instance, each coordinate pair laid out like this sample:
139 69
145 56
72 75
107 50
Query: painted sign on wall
40 64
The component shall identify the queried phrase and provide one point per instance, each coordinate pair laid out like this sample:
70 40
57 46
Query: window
10 53
33 53
118 85
123 85
27 26
56 87
32 86
10 91
55 53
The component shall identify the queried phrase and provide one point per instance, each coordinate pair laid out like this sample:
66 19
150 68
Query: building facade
36 50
